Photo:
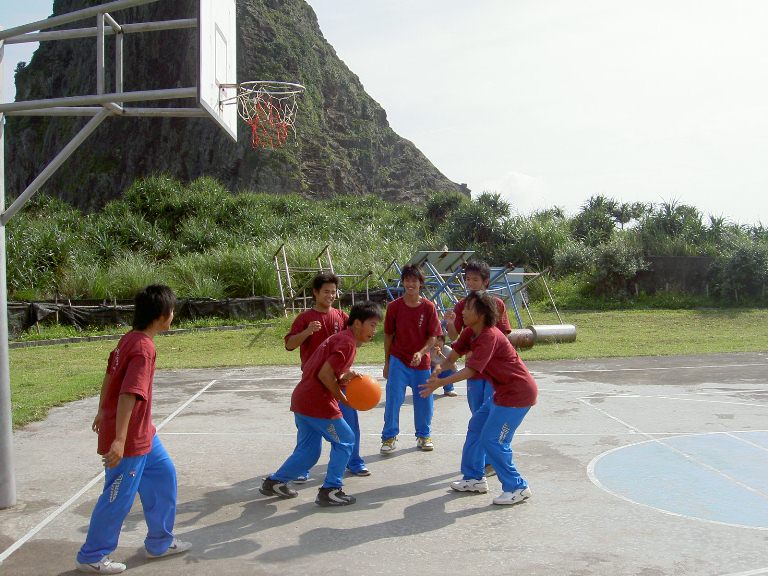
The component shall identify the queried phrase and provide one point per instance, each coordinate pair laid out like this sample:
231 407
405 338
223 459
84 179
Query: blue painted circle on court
718 477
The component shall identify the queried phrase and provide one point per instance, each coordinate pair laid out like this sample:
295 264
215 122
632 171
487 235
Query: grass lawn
47 376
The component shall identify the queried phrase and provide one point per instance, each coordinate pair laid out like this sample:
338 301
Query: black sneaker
276 488
333 497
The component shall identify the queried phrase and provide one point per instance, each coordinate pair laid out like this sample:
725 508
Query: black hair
324 278
440 337
364 311
151 303
480 268
413 271
483 304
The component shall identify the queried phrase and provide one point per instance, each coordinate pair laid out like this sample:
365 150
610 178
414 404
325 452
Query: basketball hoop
269 108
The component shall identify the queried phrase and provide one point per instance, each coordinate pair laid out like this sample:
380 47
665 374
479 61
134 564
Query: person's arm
97 420
450 324
419 354
296 340
388 338
125 404
436 382
327 376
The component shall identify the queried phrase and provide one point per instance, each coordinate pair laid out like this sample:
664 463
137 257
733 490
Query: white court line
52 516
750 572
650 368
599 395
733 435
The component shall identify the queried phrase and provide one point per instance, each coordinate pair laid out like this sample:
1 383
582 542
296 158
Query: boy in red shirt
410 329
315 406
308 331
493 425
133 456
477 276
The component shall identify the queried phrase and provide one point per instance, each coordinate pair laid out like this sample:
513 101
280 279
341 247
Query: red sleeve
389 318
435 329
503 322
299 324
482 351
459 322
341 358
461 346
344 319
138 376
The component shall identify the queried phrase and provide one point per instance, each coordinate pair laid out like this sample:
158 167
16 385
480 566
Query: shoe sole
273 493
475 490
332 504
360 473
386 451
426 448
513 502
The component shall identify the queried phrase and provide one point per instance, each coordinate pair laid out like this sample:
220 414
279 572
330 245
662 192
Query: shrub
616 263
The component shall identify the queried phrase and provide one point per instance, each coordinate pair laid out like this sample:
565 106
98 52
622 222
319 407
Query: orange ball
363 392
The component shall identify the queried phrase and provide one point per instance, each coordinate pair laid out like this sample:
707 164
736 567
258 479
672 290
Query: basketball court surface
642 466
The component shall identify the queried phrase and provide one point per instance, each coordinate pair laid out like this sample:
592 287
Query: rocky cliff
344 144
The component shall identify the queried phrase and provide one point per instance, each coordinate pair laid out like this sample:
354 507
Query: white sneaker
104 566
303 479
509 498
389 445
176 547
471 485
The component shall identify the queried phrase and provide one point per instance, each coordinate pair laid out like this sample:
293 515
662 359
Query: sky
549 102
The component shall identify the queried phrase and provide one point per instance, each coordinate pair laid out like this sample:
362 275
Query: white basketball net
270 109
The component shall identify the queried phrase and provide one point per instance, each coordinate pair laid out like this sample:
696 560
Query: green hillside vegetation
205 241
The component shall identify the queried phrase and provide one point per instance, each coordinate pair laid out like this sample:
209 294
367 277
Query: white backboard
217 26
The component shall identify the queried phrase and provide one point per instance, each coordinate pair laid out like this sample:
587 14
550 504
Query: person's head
364 318
477 275
480 305
440 340
412 278
155 302
324 289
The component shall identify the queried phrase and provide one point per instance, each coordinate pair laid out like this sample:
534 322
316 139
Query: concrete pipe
553 332
521 338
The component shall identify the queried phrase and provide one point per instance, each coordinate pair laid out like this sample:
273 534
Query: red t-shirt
412 327
311 397
332 322
502 323
131 368
495 359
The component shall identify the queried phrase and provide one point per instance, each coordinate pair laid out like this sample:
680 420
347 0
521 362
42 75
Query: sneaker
471 485
489 471
509 498
303 479
176 547
271 487
425 443
450 393
389 445
361 472
333 497
104 566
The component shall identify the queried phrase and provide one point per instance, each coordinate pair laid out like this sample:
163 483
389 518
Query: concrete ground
642 466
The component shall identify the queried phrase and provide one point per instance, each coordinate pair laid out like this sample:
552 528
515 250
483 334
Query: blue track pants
153 476
400 377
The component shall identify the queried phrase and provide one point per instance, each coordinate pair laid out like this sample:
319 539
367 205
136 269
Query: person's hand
450 316
432 384
313 327
345 378
96 425
343 400
115 454
385 372
416 360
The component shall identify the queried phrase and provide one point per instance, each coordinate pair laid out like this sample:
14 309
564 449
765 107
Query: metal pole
7 475
54 21
74 33
60 158
92 99
100 53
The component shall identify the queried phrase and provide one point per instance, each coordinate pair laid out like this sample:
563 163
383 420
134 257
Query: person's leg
305 454
356 463
448 389
157 491
497 437
120 486
475 393
487 391
472 456
423 408
342 440
395 390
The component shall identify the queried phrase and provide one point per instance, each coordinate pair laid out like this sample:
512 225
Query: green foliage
742 274
616 263
574 258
